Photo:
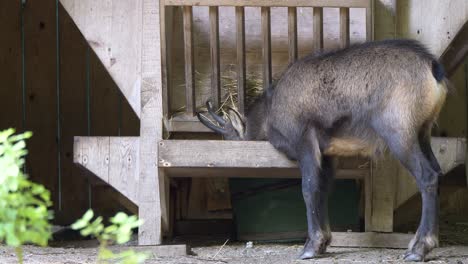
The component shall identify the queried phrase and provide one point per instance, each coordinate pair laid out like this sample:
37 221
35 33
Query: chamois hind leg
425 143
404 144
315 185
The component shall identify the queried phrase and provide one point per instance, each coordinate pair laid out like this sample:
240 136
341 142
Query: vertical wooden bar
149 196
318 28
214 50
292 34
344 27
266 46
189 63
165 62
369 21
240 47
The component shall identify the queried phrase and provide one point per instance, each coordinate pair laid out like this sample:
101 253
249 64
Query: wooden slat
73 48
292 34
41 93
266 46
10 65
318 29
149 198
189 62
344 27
240 50
214 50
456 52
268 3
370 21
165 59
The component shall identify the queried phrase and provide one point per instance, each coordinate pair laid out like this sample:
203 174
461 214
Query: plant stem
19 254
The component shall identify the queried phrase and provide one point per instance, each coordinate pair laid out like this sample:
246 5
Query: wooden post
292 34
318 29
189 63
266 46
240 49
344 27
149 199
214 49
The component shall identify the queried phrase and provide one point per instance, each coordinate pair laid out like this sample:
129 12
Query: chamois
354 101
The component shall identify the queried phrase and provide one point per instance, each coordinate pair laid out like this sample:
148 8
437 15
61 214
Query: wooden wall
56 87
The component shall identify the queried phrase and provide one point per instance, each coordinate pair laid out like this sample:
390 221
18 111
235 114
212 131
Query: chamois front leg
314 186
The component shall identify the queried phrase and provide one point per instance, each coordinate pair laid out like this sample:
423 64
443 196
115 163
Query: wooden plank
385 22
344 27
10 65
112 30
370 21
214 50
93 154
123 166
189 62
279 173
266 46
165 16
73 48
346 239
456 52
383 182
240 53
149 199
268 3
221 154
41 93
292 34
318 29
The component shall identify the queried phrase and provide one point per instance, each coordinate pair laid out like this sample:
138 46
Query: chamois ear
237 122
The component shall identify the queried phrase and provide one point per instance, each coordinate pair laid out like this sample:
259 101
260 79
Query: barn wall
56 87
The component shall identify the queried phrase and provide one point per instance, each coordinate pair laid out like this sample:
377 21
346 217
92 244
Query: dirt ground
238 253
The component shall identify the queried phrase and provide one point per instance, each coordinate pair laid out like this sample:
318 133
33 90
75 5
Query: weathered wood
123 165
116 41
149 199
214 50
10 65
370 21
456 51
190 107
165 14
292 34
344 27
73 113
318 29
268 3
383 182
42 94
266 46
240 54
93 154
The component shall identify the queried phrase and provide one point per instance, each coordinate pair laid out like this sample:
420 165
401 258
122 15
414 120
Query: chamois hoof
308 254
413 257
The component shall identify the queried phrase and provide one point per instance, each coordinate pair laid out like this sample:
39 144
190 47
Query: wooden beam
214 50
92 153
456 52
292 34
266 46
344 27
189 62
240 53
318 29
149 197
165 15
113 31
269 3
370 21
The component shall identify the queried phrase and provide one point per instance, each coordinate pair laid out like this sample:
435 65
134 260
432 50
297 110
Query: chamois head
232 129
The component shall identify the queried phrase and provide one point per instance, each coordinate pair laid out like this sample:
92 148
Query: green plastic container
273 209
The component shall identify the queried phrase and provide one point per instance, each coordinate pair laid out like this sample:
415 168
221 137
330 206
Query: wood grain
214 51
240 54
189 62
